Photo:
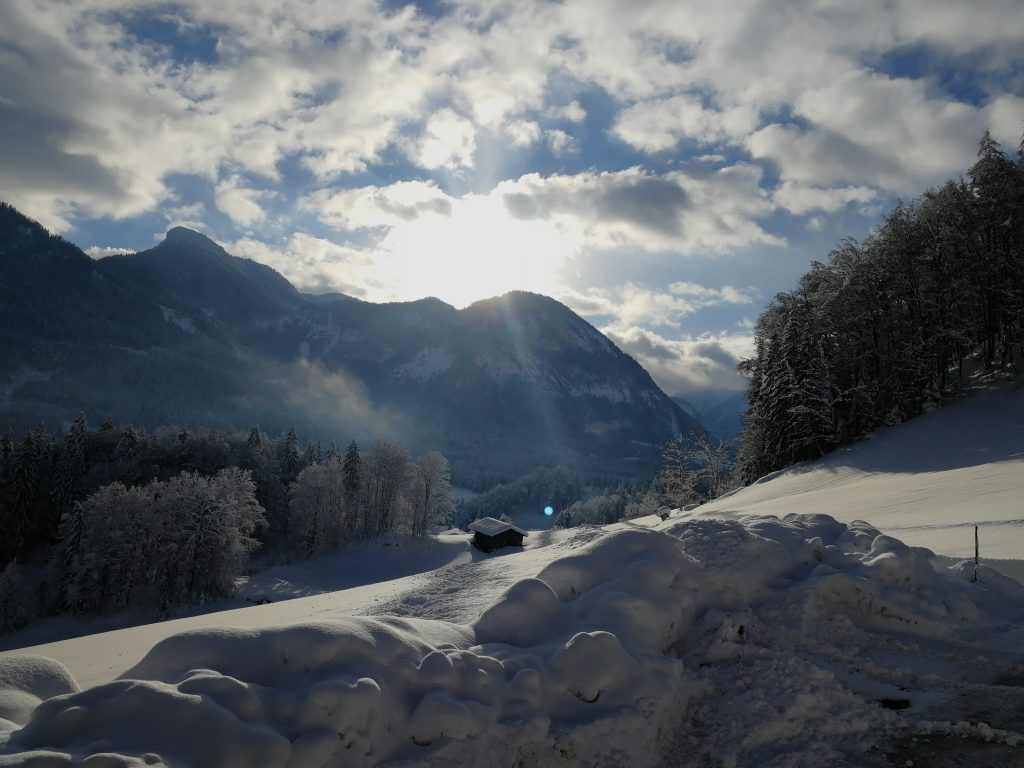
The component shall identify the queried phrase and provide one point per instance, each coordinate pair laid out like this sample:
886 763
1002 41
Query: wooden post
976 559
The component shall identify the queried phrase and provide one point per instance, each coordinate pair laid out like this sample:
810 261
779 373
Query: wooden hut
490 534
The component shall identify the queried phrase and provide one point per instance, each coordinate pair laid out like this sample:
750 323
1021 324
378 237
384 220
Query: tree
16 607
157 545
18 511
352 484
70 466
430 493
385 472
316 509
695 468
289 462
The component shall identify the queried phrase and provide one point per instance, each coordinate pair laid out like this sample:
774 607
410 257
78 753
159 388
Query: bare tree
695 469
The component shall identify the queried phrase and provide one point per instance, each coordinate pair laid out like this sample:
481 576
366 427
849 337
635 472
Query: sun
476 252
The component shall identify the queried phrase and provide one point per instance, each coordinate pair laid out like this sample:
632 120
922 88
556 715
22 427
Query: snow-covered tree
16 605
385 478
316 509
431 495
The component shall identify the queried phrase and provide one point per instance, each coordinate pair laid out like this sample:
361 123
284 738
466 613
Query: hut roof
488 526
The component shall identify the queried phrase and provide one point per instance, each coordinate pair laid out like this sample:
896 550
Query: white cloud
799 198
633 305
561 143
523 133
660 124
572 112
102 251
373 207
240 204
727 294
674 211
96 121
693 363
314 264
447 141
531 233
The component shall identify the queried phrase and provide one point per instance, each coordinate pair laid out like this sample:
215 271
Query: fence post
976 558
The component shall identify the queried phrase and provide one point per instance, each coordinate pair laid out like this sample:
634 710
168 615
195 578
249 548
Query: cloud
658 125
315 265
523 133
710 296
241 204
671 211
447 141
99 118
373 207
572 112
630 305
533 232
102 251
799 199
561 143
705 362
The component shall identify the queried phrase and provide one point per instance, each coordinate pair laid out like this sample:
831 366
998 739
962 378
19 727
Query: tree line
881 332
125 518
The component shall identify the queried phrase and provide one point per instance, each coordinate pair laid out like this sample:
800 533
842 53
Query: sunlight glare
477 252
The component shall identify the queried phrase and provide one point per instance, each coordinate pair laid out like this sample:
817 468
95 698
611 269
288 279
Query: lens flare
549 511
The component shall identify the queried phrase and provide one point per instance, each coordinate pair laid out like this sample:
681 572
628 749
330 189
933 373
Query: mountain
718 414
186 333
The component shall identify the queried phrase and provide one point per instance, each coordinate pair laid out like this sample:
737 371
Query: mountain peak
191 238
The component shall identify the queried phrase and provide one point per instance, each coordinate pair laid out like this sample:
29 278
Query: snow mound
755 641
25 682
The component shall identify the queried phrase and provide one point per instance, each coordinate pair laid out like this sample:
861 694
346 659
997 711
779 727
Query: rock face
186 333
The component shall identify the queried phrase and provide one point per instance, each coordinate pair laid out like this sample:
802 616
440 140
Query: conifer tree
289 462
352 482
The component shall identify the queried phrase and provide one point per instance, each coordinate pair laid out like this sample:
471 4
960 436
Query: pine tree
352 482
289 462
70 466
22 488
312 455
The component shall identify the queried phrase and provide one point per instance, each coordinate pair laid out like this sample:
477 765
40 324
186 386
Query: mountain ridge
194 335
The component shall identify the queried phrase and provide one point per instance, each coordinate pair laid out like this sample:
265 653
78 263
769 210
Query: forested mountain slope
880 332
185 333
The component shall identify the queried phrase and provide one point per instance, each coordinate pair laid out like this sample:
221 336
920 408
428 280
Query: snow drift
757 640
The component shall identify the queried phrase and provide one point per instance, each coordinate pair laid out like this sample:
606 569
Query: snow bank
25 682
700 641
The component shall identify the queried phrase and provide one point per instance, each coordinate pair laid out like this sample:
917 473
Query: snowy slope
723 639
927 482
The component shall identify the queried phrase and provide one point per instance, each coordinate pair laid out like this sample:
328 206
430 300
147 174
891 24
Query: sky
664 168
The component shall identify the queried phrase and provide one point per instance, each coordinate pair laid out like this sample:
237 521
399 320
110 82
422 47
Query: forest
122 518
881 332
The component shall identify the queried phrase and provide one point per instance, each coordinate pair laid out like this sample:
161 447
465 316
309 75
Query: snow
723 638
927 482
27 681
489 526
427 364
182 321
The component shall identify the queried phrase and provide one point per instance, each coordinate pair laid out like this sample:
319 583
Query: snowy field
927 482
735 635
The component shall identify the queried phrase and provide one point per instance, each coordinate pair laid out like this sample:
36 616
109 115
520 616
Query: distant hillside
187 333
719 413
